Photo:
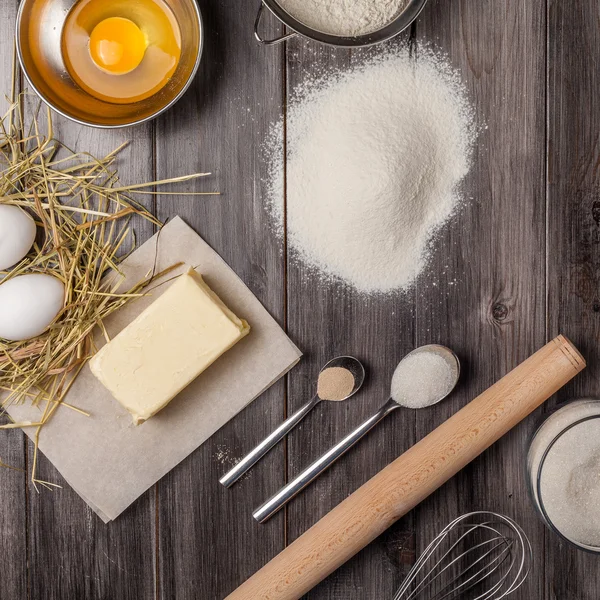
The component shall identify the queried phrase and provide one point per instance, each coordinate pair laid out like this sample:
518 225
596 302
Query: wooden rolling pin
412 477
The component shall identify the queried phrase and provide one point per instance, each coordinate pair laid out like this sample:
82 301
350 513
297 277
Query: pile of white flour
375 156
344 17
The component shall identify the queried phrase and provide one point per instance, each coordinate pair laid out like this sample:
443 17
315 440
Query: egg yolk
117 45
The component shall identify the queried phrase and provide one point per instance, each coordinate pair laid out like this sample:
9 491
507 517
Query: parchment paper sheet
109 461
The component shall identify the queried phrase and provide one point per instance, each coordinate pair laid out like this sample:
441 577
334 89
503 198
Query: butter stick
167 346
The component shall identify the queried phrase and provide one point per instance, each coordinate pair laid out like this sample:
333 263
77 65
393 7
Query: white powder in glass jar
570 483
375 156
344 17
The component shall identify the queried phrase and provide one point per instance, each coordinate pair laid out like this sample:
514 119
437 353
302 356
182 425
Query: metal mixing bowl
39 32
399 24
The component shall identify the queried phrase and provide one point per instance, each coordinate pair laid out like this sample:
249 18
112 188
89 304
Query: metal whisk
483 553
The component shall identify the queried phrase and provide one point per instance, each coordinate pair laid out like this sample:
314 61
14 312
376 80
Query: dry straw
83 216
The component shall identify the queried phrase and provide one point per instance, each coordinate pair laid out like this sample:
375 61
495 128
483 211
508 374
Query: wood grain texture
13 498
517 266
72 553
331 321
573 237
485 292
208 541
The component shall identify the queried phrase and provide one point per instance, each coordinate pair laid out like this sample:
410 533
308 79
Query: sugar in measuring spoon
338 380
423 377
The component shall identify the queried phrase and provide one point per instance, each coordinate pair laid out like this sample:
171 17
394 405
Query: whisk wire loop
475 578
459 558
482 551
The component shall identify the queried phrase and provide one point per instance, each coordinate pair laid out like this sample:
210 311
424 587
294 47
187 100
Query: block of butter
167 346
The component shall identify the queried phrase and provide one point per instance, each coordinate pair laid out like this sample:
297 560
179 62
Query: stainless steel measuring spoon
346 362
279 500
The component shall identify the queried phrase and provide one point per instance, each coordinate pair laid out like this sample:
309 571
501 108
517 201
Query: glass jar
563 473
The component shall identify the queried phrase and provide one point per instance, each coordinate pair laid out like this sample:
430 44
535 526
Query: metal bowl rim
150 117
362 41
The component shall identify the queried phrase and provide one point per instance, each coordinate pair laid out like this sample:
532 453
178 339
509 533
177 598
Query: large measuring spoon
279 500
349 363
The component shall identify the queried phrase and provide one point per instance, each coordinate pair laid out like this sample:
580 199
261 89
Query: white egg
28 304
17 234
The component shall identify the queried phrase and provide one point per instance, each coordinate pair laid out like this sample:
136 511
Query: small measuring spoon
345 362
279 500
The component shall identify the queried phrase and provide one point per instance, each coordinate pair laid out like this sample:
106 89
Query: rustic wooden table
518 266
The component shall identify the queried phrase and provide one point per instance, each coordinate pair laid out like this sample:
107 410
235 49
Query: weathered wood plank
484 292
573 232
13 511
484 295
208 541
72 554
331 322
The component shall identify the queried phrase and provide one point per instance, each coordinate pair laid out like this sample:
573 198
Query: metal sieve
399 24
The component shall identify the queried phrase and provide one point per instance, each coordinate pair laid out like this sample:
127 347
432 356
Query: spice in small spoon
335 383
338 380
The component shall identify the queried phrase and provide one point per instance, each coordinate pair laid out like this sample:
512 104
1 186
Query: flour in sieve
344 17
375 157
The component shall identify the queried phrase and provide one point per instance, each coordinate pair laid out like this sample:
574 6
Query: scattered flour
223 455
375 156
344 17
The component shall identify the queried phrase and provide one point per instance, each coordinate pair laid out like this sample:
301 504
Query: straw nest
83 217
